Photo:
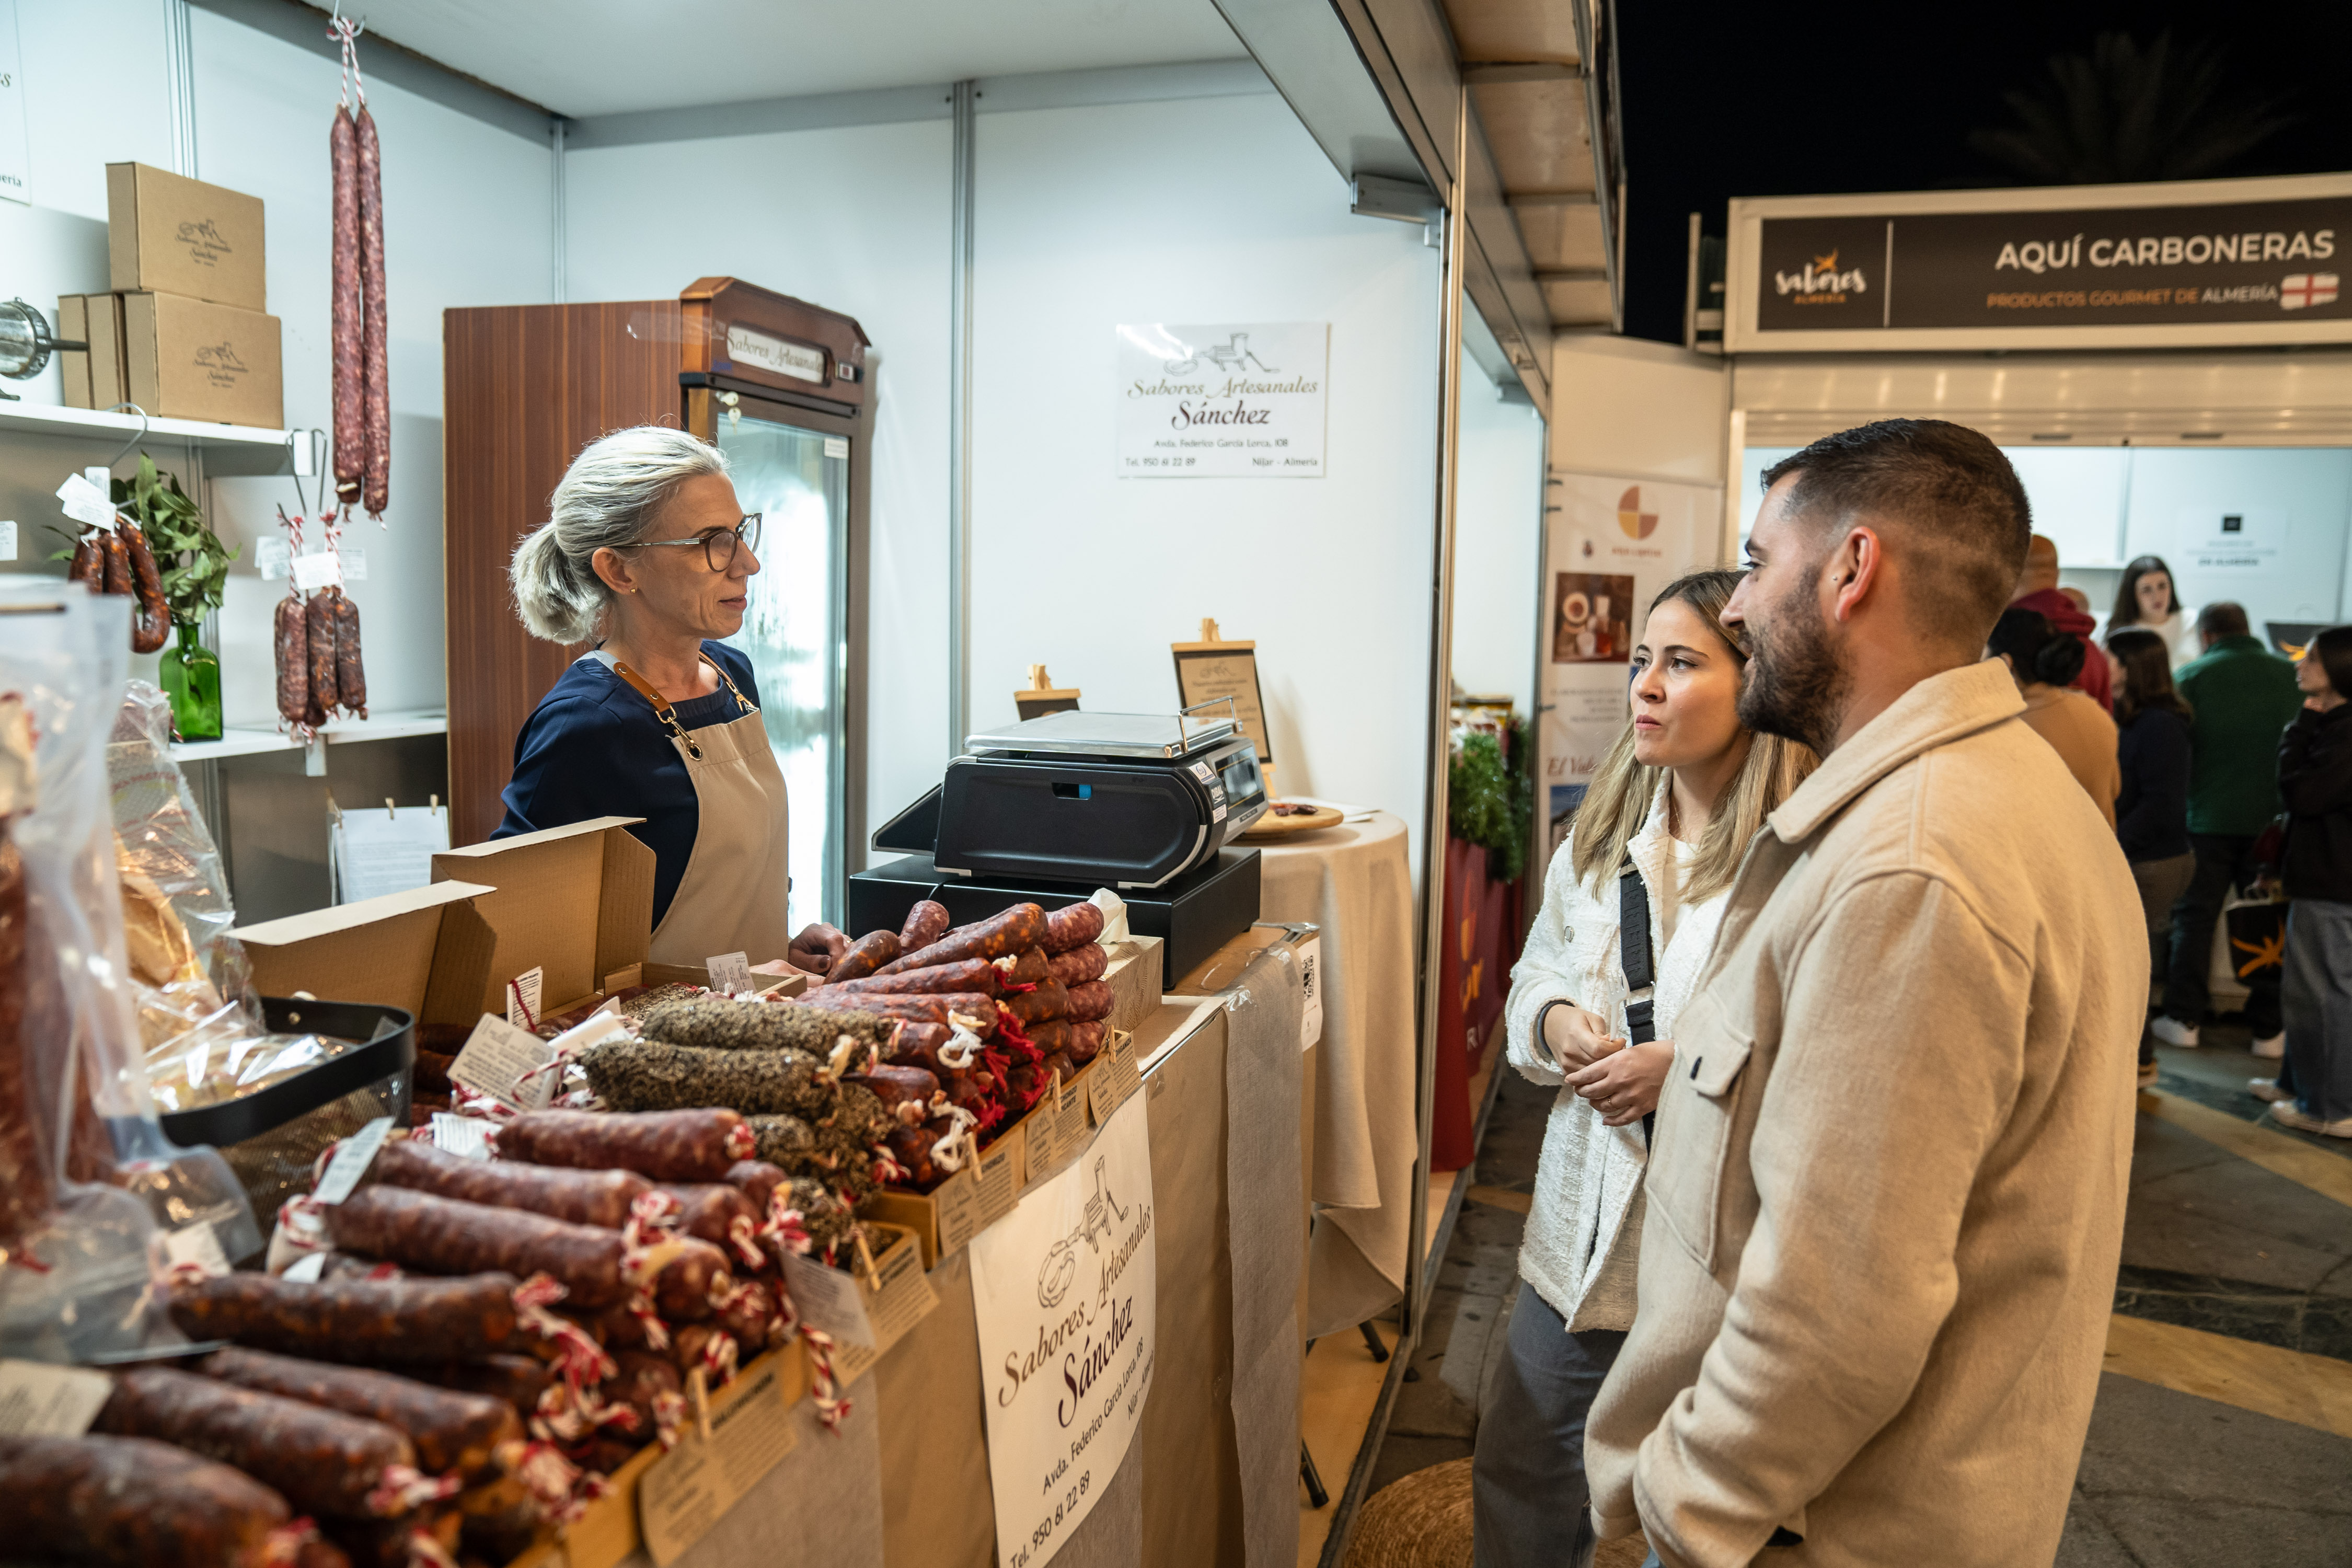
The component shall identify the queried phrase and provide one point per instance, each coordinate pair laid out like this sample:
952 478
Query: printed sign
505 1063
731 973
38 1400
350 1162
690 1488
15 163
1063 1291
1311 987
771 353
1221 401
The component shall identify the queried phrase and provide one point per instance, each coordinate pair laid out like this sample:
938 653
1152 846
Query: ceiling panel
1579 301
1565 233
1540 138
611 57
1514 31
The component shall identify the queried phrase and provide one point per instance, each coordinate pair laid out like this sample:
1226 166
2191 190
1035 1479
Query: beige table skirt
1356 883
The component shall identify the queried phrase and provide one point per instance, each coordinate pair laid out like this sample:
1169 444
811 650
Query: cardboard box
575 903
1134 975
103 314
388 951
189 359
171 235
73 364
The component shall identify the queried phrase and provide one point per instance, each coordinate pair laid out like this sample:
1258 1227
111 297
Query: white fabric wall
1497 536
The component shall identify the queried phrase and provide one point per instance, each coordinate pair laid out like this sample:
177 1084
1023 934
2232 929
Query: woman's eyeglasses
718 548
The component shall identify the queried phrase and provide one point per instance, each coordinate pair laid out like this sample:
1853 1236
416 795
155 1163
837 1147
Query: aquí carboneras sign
1230 400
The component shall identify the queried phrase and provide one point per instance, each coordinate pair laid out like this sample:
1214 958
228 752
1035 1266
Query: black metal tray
234 1121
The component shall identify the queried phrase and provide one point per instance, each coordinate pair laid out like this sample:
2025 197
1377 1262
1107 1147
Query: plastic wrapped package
176 913
93 1199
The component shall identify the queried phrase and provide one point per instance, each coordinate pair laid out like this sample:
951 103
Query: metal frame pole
965 99
1441 715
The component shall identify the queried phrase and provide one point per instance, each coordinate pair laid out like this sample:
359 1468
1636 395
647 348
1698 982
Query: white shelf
227 448
238 741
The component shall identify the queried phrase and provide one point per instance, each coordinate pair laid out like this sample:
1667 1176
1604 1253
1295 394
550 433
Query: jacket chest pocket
1696 1117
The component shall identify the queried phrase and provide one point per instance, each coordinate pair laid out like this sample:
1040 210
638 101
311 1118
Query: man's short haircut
1948 497
2223 619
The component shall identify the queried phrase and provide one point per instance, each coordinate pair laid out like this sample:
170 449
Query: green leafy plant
1490 800
190 556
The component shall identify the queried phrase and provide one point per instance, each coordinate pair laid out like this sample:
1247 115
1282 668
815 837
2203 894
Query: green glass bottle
191 677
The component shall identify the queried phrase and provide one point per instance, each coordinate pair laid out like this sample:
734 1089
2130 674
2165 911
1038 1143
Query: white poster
1065 1289
1225 401
1610 545
15 177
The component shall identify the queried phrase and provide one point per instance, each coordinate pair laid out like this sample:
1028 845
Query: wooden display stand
1212 670
1042 696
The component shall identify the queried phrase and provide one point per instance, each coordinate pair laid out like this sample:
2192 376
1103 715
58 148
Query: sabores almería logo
1821 282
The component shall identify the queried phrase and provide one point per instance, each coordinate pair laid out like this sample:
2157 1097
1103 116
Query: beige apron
732 897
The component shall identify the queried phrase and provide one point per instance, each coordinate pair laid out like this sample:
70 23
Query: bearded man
1886 1197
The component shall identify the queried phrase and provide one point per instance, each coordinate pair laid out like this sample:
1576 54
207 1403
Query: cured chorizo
351 674
749 1316
648 1384
720 1214
1050 1035
24 1185
926 923
972 1009
920 1044
689 1276
1073 925
290 640
321 1461
966 974
151 622
659 1144
319 630
999 936
367 1321
498 1519
1089 1001
449 1236
394 1543
1086 1040
114 563
134 1502
85 567
374 338
912 1147
649 1076
898 1086
519 1380
1024 968
1080 964
720 1024
759 1179
706 1346
866 955
466 1433
1049 998
576 1196
348 353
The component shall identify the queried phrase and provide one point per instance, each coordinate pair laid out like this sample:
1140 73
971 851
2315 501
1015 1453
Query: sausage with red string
517 1380
999 936
319 630
498 1519
114 563
758 1181
290 639
912 1147
1048 999
366 1320
451 1431
1081 963
375 409
151 623
1090 1001
866 955
1073 925
132 1502
964 974
709 1211
1050 1035
749 1316
1086 1040
448 1236
1024 968
926 923
896 1086
393 1542
659 1146
350 672
348 353
688 1275
323 1461
577 1196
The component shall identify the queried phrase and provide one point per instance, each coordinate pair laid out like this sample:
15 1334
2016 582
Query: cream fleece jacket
1887 1195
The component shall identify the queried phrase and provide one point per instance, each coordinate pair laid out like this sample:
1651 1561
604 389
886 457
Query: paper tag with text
352 563
317 571
86 502
272 557
350 1162
467 1136
522 997
731 973
197 1244
1310 981
828 1300
504 1062
38 1400
309 1268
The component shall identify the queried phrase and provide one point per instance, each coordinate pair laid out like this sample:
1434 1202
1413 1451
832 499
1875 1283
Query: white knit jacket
1583 1233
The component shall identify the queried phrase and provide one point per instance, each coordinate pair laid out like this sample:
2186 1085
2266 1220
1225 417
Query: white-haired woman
646 553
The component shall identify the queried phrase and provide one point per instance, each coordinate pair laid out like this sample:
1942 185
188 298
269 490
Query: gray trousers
2317 996
1527 1494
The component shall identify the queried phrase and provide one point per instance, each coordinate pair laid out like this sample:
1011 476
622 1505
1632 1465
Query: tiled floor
2223 1429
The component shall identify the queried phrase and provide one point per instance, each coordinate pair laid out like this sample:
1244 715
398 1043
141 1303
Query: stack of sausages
118 561
320 670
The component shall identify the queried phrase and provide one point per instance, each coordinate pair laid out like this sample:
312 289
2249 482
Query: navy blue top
593 748
2152 812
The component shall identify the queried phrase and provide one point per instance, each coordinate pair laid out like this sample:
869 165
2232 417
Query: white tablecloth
1355 882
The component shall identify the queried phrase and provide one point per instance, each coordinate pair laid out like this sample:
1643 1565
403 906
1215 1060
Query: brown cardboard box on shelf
191 359
104 325
393 951
177 236
575 903
73 364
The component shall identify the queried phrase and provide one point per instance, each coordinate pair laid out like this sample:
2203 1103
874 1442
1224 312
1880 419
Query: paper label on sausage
309 1269
197 1246
40 1400
505 1063
350 1162
828 1300
731 973
467 1136
85 502
351 561
317 570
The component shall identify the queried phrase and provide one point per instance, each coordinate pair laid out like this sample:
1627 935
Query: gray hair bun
609 497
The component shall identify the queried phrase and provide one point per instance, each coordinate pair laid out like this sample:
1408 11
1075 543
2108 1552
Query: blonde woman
1675 801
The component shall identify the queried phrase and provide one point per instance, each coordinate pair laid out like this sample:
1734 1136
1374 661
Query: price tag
957 1203
350 1162
1074 1132
829 1299
595 1029
38 1400
468 1136
272 556
352 560
317 571
503 1062
309 1269
86 502
195 1245
522 997
731 973
688 1488
904 1298
1000 1187
1310 981
1115 1076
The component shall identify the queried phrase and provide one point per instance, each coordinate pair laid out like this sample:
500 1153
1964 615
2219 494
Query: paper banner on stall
1064 1290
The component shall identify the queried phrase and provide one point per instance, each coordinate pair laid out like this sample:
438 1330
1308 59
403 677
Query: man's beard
1796 685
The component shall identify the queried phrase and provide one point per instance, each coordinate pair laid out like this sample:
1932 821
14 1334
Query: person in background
2243 696
2146 599
1676 799
2043 660
2152 811
1886 1200
2037 589
2315 776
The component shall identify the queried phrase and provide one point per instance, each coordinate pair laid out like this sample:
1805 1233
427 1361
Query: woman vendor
647 555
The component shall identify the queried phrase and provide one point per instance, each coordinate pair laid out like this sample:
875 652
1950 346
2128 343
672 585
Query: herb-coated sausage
973 1009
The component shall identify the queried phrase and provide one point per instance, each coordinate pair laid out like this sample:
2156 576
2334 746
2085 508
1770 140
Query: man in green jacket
2244 697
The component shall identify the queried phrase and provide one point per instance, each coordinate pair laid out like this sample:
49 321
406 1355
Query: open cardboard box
388 951
575 903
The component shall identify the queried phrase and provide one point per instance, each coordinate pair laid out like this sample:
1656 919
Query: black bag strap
1634 956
